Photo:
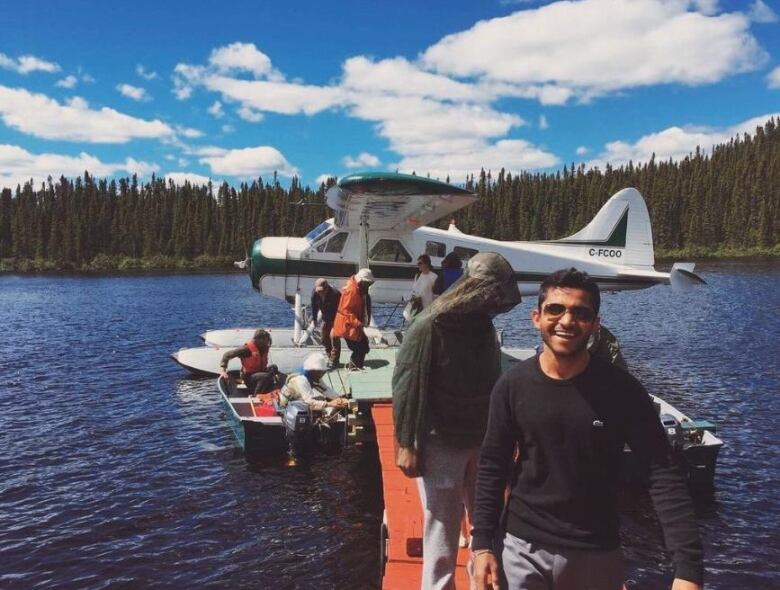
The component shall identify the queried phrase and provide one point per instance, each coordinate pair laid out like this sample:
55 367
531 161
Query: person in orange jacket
353 313
255 370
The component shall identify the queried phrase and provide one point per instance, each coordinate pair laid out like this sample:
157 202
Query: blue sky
236 90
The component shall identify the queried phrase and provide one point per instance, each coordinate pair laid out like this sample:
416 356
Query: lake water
117 469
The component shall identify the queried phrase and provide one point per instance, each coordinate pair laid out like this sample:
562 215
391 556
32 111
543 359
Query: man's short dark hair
571 278
262 338
424 258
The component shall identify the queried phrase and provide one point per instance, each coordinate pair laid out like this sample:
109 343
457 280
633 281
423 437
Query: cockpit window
389 251
317 231
336 243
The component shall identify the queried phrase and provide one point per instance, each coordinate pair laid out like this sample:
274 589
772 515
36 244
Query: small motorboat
693 442
265 427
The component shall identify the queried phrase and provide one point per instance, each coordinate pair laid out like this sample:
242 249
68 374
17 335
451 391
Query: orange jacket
257 362
349 316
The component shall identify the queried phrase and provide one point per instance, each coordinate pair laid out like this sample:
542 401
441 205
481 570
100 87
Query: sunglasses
555 311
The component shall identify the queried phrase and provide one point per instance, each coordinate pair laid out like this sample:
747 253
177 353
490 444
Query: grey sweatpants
446 486
530 566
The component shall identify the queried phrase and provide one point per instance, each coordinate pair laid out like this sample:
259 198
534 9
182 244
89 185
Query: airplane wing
393 201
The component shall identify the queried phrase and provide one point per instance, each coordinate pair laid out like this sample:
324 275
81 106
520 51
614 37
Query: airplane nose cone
268 257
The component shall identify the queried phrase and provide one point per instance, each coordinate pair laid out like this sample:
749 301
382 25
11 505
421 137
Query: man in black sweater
325 299
556 430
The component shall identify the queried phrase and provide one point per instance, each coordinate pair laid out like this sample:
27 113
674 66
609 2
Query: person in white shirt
423 286
309 386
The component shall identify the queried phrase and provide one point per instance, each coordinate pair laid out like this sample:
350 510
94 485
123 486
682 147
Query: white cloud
19 166
183 162
134 92
423 115
28 63
179 178
184 78
642 43
189 132
248 162
543 123
675 142
276 97
582 150
215 110
206 151
67 82
363 160
513 155
761 13
144 73
399 77
249 114
773 79
41 116
243 57
418 125
227 128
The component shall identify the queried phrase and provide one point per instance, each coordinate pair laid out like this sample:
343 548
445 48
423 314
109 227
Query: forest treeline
725 202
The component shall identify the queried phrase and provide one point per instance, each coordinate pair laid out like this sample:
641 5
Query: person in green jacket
445 369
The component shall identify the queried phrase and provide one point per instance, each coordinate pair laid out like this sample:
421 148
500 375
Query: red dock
403 515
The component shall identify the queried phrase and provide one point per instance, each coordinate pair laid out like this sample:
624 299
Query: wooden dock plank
404 514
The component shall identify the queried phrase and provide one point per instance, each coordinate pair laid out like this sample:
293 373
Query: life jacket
255 363
349 316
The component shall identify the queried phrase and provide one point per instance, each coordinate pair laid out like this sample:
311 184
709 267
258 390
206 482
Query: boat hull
266 437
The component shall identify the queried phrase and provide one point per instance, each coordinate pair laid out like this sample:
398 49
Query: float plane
379 223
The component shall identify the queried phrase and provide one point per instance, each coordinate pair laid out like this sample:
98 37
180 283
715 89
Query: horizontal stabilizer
682 276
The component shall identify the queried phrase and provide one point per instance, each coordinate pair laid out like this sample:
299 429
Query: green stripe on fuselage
323 268
616 239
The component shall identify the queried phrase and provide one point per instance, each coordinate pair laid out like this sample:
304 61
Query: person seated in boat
325 299
256 373
353 314
309 386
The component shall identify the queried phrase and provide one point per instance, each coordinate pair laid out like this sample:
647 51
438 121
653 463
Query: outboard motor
674 431
297 419
297 426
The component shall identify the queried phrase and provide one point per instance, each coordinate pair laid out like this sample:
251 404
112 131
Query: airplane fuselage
283 266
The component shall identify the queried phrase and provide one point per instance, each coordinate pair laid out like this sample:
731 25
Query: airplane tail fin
620 232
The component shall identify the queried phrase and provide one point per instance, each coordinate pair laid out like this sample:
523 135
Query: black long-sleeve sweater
570 435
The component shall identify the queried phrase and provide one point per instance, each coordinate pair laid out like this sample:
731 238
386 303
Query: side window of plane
323 242
464 253
435 249
389 251
336 243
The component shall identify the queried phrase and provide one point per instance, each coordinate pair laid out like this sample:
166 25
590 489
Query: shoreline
162 265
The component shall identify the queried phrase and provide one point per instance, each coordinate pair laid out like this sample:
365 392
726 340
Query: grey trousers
446 486
529 566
